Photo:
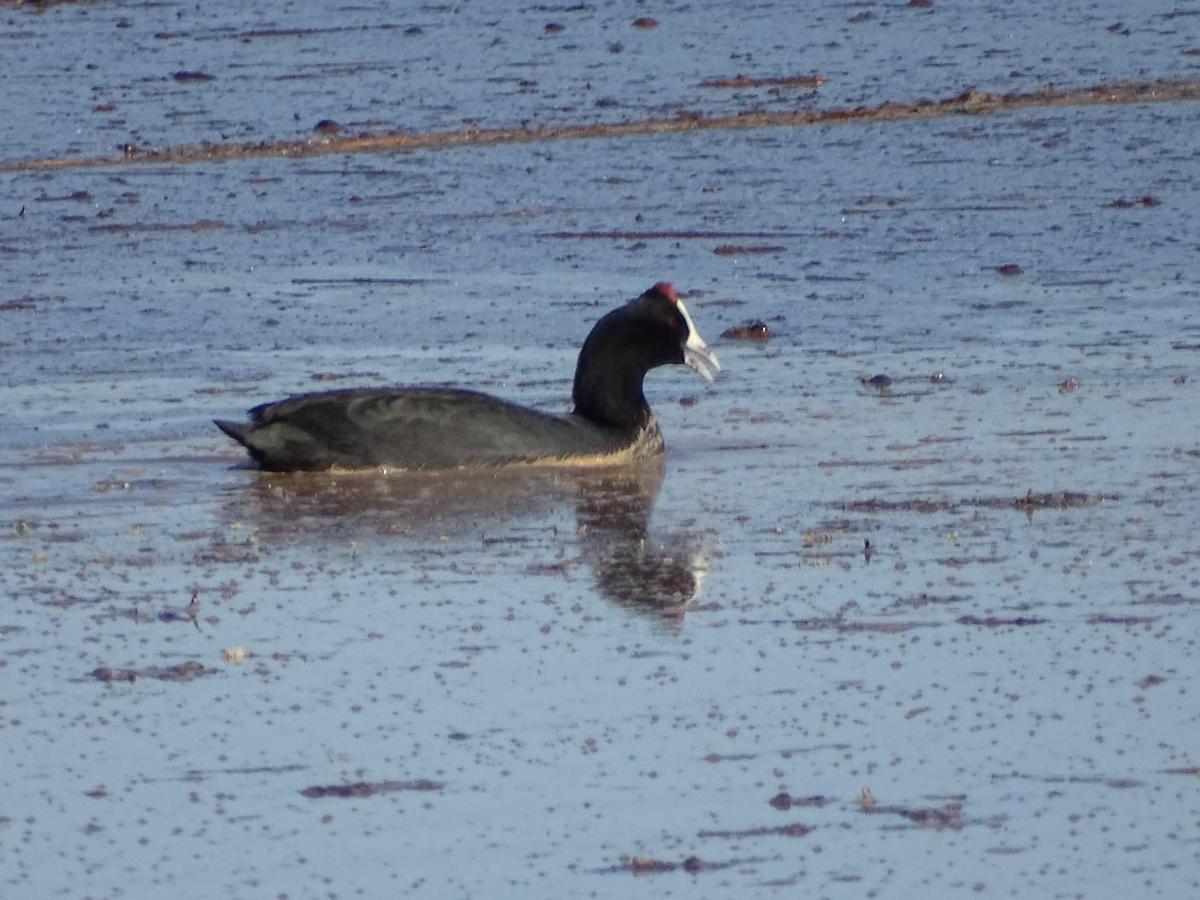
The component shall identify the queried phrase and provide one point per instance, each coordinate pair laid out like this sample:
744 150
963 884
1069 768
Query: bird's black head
652 330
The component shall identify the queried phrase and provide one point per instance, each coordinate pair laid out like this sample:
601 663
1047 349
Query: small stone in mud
1009 269
879 381
687 400
1150 681
1180 379
938 377
327 126
692 864
555 27
414 30
645 22
1069 386
187 75
754 330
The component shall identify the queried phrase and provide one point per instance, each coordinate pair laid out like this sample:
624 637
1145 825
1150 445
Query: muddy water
174 73
923 634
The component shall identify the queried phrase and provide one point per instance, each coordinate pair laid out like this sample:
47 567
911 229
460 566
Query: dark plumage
439 428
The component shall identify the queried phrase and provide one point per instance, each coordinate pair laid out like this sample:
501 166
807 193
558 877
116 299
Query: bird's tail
236 430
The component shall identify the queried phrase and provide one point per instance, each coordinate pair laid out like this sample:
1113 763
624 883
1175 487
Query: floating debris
739 82
185 671
186 75
948 815
644 865
1057 500
795 829
997 622
784 801
754 330
1146 202
369 788
235 654
740 250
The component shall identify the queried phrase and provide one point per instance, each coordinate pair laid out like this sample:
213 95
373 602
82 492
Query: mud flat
908 609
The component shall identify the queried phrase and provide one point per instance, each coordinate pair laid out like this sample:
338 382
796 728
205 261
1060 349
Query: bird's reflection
659 572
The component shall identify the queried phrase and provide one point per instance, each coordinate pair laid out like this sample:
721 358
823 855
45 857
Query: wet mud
969 103
908 609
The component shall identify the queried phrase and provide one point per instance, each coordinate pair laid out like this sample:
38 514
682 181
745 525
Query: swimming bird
441 428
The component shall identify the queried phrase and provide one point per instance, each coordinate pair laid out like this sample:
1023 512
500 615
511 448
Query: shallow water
973 597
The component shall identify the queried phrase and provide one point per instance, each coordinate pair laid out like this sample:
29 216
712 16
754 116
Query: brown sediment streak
968 103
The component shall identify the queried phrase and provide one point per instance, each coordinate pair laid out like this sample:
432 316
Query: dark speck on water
186 75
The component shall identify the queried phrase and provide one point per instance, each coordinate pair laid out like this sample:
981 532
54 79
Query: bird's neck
611 395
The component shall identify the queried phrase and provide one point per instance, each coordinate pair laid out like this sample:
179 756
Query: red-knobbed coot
439 428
